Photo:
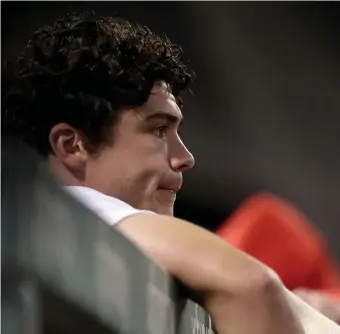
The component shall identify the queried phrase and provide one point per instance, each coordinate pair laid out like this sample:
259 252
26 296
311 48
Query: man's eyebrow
171 118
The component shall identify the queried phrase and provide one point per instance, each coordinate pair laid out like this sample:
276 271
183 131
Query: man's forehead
162 101
161 104
171 117
162 90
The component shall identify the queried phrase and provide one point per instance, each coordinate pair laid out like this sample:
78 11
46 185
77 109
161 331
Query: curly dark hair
83 70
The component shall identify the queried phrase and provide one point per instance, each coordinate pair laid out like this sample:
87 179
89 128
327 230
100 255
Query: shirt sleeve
110 209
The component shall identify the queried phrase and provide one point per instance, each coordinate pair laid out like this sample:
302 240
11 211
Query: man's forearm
312 321
268 310
263 309
242 295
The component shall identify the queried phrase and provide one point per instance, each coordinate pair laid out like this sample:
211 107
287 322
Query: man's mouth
167 194
170 190
172 185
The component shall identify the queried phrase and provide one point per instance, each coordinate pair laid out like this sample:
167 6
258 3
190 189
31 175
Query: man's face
144 165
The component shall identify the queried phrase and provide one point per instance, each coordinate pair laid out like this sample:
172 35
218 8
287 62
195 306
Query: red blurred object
275 232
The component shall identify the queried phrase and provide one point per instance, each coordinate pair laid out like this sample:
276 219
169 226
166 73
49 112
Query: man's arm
321 302
242 295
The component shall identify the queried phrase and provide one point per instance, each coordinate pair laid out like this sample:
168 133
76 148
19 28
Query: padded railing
66 271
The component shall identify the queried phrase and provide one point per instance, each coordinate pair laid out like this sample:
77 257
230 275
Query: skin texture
330 308
234 286
143 154
85 95
144 164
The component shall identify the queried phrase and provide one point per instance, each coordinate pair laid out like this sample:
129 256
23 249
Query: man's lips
174 191
171 184
167 194
174 186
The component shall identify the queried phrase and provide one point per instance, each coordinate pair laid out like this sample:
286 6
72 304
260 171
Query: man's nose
183 160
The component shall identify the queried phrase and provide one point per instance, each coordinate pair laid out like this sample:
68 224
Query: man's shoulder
110 209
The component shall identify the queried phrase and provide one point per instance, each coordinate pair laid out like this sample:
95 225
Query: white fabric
110 209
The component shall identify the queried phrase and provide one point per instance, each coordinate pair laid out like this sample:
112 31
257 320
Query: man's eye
160 131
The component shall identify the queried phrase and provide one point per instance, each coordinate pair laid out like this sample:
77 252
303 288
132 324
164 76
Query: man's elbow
264 280
257 280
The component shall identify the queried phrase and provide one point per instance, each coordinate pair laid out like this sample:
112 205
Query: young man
100 99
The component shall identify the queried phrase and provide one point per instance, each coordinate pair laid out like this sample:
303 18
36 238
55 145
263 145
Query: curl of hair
83 70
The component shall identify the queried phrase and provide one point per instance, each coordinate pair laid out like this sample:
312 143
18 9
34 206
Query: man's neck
67 177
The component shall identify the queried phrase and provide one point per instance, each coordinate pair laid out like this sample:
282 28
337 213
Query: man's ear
68 145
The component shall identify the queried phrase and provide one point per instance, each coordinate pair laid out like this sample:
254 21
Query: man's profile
100 99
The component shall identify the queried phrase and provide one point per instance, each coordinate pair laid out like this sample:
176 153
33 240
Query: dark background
266 110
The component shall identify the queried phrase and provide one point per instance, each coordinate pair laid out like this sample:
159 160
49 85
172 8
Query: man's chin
164 210
159 207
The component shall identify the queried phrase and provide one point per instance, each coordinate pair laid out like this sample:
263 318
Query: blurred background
265 114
